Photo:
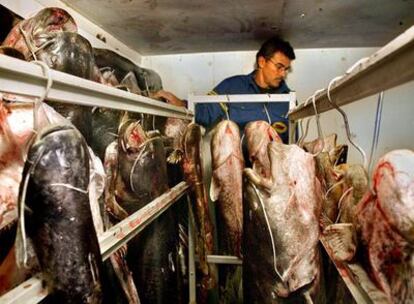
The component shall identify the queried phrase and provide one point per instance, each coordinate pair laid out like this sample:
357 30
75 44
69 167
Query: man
272 65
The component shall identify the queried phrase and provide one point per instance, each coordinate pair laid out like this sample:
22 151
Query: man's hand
170 98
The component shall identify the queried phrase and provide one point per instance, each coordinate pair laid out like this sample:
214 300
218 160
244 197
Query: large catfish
192 164
71 53
148 80
226 190
226 185
16 133
59 220
386 218
258 136
281 229
27 35
136 166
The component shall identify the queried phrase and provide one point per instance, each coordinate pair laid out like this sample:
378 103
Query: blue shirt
208 114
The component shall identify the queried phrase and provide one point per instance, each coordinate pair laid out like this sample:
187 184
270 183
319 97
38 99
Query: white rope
69 187
143 146
267 114
333 186
227 108
270 231
22 255
39 101
340 203
28 42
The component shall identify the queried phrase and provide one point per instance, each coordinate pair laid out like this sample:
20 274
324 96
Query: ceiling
154 27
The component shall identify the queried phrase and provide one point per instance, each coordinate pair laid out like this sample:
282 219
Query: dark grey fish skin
105 123
132 78
148 80
12 52
155 249
142 177
71 53
7 21
60 220
46 21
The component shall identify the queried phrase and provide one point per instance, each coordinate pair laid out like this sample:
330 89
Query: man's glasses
280 67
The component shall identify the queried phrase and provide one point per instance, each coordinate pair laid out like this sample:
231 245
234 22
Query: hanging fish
137 173
281 218
27 35
59 219
386 219
258 136
192 165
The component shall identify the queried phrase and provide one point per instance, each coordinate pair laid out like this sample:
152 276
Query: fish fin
258 180
175 157
214 189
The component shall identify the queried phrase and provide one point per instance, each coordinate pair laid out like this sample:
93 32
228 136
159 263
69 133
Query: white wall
312 70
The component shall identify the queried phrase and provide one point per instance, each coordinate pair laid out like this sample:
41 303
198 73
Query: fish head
258 136
133 137
225 142
108 77
130 83
393 182
67 52
52 19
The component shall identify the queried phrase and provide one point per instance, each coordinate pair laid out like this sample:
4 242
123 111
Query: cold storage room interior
110 193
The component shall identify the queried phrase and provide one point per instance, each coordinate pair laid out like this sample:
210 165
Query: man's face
274 69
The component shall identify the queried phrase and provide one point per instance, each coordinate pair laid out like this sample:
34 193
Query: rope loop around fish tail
340 203
69 186
144 146
27 39
270 232
333 186
39 101
21 238
226 109
267 114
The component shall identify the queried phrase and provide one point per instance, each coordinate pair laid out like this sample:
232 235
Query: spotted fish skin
291 198
60 219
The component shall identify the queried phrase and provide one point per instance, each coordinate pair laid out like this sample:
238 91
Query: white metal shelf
125 230
391 66
25 78
356 279
33 291
248 98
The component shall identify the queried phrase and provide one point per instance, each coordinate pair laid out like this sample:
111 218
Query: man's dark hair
273 45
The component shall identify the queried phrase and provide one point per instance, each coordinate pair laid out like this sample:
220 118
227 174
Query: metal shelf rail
242 98
194 99
388 67
27 79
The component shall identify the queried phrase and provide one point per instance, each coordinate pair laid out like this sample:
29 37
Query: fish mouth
134 137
